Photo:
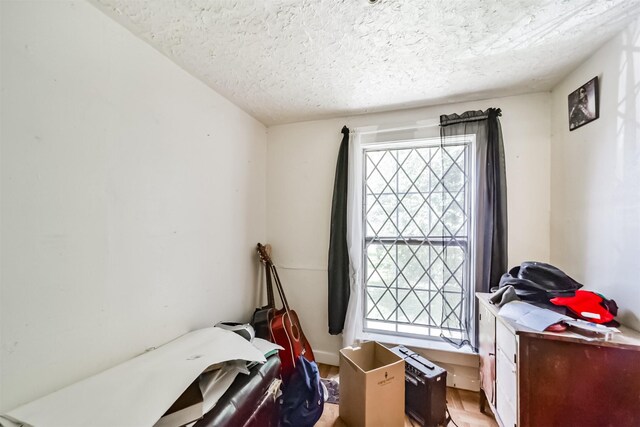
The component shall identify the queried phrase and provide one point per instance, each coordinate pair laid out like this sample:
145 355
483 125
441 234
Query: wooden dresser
534 379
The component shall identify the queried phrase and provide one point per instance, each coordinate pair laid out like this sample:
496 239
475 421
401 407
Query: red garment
586 302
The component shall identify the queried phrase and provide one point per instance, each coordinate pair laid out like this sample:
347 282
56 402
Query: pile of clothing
547 286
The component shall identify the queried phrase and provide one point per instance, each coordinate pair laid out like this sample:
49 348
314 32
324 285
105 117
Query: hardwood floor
463 406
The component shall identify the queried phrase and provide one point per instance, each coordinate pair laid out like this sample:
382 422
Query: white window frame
407 339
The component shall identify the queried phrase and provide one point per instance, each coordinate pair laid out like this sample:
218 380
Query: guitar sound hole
295 332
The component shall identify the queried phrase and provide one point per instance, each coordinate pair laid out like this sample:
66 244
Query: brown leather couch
250 401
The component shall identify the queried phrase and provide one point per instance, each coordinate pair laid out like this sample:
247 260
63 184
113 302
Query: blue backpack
302 401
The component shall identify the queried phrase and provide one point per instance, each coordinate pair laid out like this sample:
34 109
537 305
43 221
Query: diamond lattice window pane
417 239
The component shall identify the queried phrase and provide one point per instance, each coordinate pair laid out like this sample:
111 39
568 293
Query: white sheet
531 316
138 392
214 384
266 347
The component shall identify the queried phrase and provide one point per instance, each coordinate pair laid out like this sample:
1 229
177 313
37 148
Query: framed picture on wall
584 104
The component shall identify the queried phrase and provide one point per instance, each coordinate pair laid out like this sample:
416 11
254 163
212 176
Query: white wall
595 178
132 198
300 174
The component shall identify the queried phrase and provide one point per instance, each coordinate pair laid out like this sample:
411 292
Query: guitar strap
270 274
283 298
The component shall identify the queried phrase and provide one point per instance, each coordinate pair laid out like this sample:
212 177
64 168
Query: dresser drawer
506 375
505 411
506 384
506 341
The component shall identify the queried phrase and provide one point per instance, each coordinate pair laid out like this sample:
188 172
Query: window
416 237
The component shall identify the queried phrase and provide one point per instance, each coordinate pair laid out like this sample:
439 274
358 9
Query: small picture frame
584 104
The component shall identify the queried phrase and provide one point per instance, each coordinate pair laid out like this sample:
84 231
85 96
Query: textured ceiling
292 60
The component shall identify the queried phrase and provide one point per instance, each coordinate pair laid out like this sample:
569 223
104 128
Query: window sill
415 342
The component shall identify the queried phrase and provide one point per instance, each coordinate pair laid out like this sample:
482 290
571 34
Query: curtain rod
466 119
470 116
361 130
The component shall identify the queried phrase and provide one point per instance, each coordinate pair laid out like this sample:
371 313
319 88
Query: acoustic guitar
284 324
262 316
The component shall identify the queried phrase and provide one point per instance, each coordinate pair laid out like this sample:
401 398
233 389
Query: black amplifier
425 397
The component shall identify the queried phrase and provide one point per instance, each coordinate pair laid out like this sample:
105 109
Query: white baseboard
327 357
463 382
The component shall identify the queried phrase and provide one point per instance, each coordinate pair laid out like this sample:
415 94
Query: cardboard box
371 386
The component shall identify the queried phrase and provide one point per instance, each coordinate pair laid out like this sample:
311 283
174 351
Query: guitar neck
270 297
271 273
280 288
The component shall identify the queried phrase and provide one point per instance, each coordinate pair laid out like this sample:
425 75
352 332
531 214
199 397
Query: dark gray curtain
338 268
491 198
